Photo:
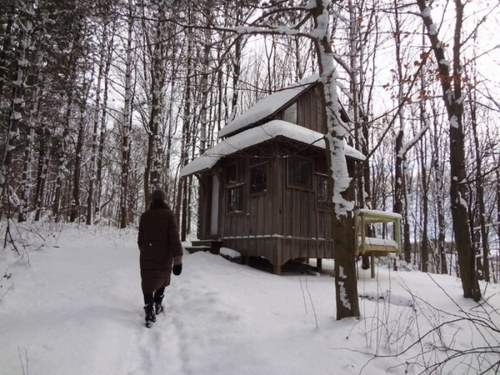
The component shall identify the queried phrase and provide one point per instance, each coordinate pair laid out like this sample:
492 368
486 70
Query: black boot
158 306
150 315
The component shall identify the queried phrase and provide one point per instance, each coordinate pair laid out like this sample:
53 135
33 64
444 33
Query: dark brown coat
160 246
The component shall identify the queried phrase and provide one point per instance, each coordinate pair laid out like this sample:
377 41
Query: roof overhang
258 135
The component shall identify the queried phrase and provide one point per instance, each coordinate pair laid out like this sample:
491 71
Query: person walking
160 253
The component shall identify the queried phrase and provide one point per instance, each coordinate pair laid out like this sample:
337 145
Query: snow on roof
267 106
257 135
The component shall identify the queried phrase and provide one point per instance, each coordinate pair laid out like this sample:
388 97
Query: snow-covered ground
77 309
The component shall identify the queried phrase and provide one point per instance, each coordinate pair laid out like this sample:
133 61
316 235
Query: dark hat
159 195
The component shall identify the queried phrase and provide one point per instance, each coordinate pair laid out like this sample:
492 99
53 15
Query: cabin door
214 210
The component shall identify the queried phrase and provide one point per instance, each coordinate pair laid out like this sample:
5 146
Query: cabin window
232 173
322 201
320 163
290 114
300 172
258 178
234 189
235 199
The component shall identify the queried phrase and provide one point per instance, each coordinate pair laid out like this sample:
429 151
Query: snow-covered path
77 309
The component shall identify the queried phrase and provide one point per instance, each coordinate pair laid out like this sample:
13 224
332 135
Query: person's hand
177 269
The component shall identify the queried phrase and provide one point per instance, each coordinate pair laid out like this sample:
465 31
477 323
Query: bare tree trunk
359 108
424 124
439 191
204 84
16 110
152 175
94 146
75 203
485 271
182 189
102 133
126 122
181 208
424 250
236 76
62 162
498 203
44 137
340 184
33 123
400 153
6 46
451 85
42 169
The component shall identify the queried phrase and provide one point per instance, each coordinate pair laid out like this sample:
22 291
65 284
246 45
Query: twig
312 304
303 295
25 371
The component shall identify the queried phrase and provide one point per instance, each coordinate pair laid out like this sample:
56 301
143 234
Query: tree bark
126 123
75 203
480 192
399 178
16 114
451 85
346 289
439 195
33 124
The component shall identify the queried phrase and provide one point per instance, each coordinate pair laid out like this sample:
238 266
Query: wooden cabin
263 187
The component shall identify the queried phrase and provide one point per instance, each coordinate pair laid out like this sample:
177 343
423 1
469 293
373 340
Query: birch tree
340 182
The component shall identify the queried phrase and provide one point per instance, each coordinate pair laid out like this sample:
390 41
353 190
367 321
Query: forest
103 101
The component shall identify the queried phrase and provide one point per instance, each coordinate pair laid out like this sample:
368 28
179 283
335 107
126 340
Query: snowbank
77 309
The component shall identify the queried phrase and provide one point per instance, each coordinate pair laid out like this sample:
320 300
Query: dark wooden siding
281 223
309 111
307 228
258 217
204 206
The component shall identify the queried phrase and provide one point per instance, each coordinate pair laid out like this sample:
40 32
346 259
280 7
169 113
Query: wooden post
279 257
372 258
277 269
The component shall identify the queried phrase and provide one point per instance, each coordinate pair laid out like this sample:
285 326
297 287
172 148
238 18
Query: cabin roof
257 135
267 106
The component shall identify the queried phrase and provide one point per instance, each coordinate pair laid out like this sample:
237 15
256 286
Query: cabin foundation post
319 264
279 258
372 259
277 269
